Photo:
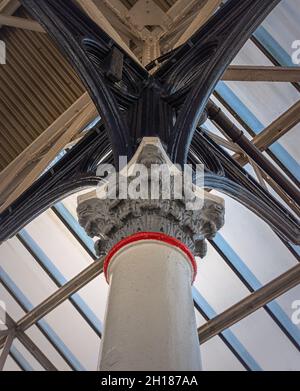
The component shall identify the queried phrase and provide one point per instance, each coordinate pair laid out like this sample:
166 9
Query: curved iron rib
211 50
124 102
240 185
73 172
88 48
285 229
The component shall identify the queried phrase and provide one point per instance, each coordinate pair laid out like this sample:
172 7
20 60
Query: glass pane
283 24
250 54
291 141
290 303
252 242
215 354
217 283
254 95
11 307
264 100
64 252
11 366
95 296
266 342
46 347
19 266
81 342
71 202
25 356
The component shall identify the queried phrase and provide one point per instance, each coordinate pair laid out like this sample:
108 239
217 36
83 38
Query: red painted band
149 236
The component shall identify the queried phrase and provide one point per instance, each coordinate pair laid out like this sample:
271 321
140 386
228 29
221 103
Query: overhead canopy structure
247 286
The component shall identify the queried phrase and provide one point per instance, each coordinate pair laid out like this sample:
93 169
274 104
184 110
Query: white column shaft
150 320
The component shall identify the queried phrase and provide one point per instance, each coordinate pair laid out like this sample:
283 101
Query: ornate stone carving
113 219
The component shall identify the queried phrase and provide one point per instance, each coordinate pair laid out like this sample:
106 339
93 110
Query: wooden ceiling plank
45 46
20 115
37 78
21 81
57 73
46 159
11 140
10 151
43 77
53 131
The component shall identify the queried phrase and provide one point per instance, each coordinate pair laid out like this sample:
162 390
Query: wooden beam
116 6
119 17
9 339
250 304
4 333
27 167
259 174
274 131
175 31
223 142
288 200
97 16
30 345
264 179
236 135
180 9
266 138
262 73
36 352
10 173
8 7
202 17
20 23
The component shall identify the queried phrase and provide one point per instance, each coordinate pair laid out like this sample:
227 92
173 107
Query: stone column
150 321
150 246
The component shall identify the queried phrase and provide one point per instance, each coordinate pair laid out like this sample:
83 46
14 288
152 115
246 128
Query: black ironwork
133 103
